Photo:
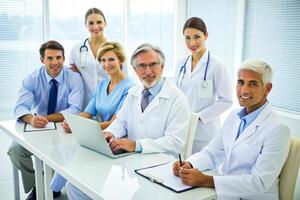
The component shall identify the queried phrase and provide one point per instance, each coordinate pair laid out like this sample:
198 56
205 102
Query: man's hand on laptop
122 143
66 127
108 136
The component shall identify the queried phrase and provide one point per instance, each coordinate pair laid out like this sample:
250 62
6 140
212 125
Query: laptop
88 134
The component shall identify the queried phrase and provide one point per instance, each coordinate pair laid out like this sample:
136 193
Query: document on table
163 175
30 128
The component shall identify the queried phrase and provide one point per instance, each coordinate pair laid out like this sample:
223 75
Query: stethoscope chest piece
204 84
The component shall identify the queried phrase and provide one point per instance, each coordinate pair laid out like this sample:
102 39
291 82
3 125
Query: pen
180 161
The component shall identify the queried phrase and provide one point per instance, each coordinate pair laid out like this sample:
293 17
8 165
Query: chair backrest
289 172
191 134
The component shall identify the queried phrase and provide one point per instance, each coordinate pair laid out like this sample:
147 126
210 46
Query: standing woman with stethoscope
83 55
203 78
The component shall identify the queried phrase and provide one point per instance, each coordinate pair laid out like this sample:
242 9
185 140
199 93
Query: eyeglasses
143 66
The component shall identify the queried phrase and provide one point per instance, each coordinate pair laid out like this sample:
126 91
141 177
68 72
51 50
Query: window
26 24
128 22
221 22
272 34
67 26
152 21
21 35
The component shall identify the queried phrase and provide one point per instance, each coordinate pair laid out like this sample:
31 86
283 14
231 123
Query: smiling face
251 92
95 24
53 61
110 62
148 68
195 40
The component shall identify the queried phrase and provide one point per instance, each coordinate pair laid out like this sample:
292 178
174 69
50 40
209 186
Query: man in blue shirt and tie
45 94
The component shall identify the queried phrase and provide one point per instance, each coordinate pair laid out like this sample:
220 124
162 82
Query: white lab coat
208 109
252 163
91 73
163 125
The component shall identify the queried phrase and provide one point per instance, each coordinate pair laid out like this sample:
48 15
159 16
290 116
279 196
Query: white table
96 175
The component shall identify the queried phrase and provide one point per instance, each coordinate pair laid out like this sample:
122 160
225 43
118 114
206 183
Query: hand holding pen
38 121
180 164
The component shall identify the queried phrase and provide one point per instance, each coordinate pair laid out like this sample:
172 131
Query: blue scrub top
107 105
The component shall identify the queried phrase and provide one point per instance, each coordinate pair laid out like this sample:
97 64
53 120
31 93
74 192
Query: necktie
52 97
145 96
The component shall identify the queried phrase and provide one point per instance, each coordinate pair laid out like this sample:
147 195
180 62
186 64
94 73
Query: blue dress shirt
155 89
246 120
34 93
107 105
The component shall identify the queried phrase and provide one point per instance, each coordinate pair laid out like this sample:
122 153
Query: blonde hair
111 46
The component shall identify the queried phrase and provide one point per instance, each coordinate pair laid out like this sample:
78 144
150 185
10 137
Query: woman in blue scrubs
111 91
109 95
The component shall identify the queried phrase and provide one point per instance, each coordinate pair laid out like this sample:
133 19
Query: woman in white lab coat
203 78
83 55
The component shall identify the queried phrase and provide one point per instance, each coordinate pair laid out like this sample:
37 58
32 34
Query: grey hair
260 67
146 47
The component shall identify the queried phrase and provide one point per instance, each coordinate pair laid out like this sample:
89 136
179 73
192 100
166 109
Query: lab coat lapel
200 65
232 131
153 104
163 93
251 129
137 93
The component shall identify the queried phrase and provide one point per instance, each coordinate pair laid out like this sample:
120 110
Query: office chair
289 172
191 135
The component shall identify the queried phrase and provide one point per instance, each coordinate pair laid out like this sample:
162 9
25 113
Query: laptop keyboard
120 151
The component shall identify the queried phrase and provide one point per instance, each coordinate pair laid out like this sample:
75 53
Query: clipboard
49 126
162 174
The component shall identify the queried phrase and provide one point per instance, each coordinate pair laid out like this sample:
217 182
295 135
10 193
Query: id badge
205 89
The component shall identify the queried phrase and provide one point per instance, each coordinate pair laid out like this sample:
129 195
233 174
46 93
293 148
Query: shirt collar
58 78
157 87
252 116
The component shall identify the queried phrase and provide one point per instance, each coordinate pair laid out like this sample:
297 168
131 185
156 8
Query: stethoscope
182 72
83 53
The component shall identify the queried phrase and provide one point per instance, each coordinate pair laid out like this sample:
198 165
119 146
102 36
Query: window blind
272 34
21 35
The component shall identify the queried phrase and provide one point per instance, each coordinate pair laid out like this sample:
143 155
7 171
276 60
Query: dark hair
93 11
51 44
196 23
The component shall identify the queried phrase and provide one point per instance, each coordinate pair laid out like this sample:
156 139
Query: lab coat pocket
205 89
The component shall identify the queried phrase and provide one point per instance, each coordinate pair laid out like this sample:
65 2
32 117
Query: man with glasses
154 116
